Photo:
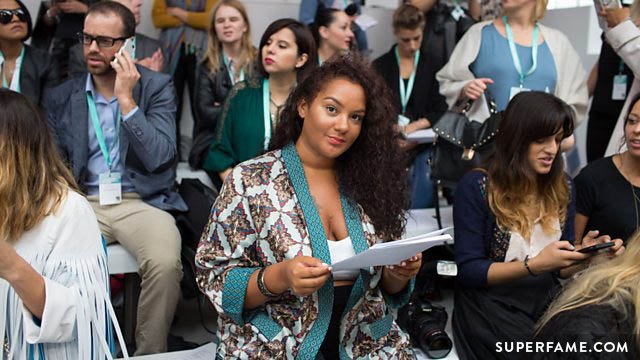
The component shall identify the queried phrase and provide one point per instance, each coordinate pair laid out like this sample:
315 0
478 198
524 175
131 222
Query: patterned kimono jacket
265 215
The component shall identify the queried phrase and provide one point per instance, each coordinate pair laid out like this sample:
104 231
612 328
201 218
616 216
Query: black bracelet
526 265
263 289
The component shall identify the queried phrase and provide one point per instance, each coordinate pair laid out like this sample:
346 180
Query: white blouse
340 250
66 248
519 247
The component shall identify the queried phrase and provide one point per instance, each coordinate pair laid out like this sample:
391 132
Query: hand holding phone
597 247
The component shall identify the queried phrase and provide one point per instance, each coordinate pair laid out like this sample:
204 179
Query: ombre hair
33 179
513 183
613 283
213 55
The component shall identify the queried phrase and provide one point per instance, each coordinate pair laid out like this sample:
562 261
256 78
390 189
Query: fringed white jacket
66 248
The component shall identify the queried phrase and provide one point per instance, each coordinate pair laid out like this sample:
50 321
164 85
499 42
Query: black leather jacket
210 92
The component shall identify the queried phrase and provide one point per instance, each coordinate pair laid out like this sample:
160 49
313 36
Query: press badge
110 188
457 13
403 120
619 91
515 90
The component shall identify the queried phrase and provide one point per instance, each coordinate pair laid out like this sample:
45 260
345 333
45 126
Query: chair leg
131 295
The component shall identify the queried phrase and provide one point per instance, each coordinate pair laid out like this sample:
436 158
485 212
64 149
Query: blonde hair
541 9
613 283
214 47
33 179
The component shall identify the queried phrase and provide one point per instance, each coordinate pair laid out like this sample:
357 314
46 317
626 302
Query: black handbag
462 144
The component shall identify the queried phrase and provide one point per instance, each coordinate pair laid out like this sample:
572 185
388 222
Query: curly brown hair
373 171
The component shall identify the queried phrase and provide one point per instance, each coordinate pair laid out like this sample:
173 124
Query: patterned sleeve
225 256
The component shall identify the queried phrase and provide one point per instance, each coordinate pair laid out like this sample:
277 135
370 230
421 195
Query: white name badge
619 91
447 268
110 188
403 120
457 13
515 90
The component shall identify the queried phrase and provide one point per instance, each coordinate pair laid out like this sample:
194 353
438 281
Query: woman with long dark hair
332 185
23 68
252 108
514 228
54 295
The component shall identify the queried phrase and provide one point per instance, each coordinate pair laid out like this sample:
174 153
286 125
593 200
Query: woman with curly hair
332 185
514 229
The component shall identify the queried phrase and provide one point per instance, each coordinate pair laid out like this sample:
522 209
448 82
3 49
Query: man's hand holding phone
127 77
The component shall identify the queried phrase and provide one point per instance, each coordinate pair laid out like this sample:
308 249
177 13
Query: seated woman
514 228
230 58
331 30
23 68
252 108
602 305
609 188
332 185
54 296
410 74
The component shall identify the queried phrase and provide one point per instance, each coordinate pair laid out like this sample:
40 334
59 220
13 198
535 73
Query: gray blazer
147 139
37 73
145 47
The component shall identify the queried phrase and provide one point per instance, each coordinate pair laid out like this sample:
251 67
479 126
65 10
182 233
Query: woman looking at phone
333 184
514 228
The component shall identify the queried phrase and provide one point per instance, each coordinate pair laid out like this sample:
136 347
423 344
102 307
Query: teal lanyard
16 73
621 67
267 115
231 74
134 47
95 120
405 93
346 3
514 52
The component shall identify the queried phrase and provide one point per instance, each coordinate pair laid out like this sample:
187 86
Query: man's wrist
127 104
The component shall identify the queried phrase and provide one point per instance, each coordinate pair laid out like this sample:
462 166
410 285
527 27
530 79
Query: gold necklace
636 199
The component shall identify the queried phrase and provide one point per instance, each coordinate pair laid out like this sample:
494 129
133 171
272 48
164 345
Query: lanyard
621 67
15 79
267 114
95 120
405 93
231 74
134 48
514 52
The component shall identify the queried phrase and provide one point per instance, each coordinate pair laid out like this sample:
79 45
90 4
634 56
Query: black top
70 24
608 67
425 100
590 324
605 197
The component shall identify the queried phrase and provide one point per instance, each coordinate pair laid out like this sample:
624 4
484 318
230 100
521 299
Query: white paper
366 21
422 136
391 253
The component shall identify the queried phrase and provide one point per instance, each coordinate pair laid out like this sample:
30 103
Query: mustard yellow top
197 20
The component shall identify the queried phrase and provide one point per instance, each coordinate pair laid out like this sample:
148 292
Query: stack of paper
393 252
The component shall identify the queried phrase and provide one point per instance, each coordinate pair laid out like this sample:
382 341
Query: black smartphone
597 247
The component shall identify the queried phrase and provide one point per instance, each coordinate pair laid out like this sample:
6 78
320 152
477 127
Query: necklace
636 198
276 116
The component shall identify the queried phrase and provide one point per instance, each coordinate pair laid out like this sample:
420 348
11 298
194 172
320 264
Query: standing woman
609 188
23 68
252 108
333 184
511 54
183 24
514 229
410 74
54 295
332 32
230 58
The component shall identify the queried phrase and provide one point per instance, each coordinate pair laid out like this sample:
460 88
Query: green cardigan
240 131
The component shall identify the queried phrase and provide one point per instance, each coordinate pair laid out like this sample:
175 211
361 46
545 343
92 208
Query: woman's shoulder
265 166
599 169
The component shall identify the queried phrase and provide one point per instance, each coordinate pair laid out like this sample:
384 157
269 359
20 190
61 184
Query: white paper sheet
422 136
366 21
391 253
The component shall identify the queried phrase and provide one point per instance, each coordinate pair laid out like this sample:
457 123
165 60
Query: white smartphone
129 47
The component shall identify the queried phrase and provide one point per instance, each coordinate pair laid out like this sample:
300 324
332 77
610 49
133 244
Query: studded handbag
462 144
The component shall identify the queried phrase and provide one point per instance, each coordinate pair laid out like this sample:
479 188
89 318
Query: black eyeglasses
6 15
102 41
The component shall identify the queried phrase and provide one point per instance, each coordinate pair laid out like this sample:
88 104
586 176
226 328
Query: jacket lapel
79 122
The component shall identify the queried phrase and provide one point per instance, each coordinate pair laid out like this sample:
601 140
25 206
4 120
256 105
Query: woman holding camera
514 228
23 68
332 185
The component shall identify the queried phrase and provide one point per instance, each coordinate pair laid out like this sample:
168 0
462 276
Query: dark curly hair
373 171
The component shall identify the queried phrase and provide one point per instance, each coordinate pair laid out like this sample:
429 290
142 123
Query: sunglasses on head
7 15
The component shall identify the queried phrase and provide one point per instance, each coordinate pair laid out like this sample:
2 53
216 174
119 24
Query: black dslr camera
425 325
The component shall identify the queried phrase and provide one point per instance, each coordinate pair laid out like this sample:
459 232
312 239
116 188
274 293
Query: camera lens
436 344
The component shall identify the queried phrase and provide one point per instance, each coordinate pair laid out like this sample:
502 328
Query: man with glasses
116 127
148 51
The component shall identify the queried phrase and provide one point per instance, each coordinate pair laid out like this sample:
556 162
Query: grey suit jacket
36 74
145 47
147 139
